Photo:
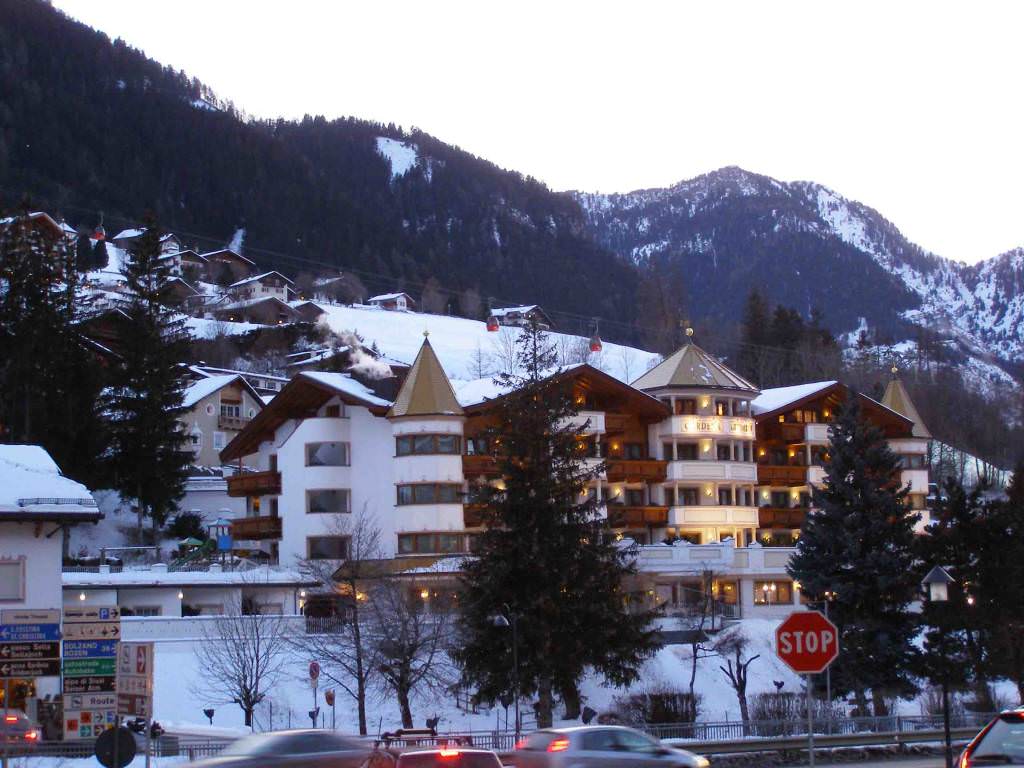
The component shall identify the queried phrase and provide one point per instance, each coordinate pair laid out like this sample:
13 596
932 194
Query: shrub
187 525
663 705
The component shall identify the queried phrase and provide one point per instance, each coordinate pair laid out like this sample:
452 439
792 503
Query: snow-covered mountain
804 245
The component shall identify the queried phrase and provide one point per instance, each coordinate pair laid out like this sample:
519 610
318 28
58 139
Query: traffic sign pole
810 722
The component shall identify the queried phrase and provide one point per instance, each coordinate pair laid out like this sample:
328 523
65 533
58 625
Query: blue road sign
29 633
90 649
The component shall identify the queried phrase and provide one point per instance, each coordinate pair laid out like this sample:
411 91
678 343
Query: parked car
1001 742
600 746
18 732
308 748
454 757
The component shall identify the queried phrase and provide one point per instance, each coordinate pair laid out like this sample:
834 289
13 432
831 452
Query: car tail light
559 745
32 735
521 744
448 752
965 759
10 718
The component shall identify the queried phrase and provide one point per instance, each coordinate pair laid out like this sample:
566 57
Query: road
935 761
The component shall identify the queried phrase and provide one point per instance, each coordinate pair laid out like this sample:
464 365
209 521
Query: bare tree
627 363
695 619
411 643
470 304
505 351
241 658
480 364
305 285
341 640
732 645
433 301
348 290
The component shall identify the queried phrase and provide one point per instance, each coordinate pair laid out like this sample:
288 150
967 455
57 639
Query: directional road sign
30 616
29 633
105 630
807 642
29 651
88 667
90 649
92 614
135 679
86 715
97 684
32 668
90 660
134 705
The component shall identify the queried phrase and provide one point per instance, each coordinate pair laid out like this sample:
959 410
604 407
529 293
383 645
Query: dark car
308 748
454 757
18 732
600 746
1001 742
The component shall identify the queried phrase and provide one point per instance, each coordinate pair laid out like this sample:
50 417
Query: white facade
30 561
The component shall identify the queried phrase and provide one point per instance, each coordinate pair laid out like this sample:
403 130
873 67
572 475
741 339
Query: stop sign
314 670
807 642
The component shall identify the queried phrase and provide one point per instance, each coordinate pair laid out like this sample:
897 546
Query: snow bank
402 156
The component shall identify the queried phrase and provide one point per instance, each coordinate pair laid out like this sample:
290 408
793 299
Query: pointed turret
691 366
896 398
426 390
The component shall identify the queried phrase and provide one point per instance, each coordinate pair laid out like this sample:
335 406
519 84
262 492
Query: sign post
29 647
91 635
135 685
808 643
314 676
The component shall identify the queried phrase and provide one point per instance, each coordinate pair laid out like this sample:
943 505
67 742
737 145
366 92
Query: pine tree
145 400
83 254
99 254
49 381
546 555
751 359
857 545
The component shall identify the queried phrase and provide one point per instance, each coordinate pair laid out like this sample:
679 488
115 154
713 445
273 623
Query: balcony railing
256 528
781 517
623 515
636 470
255 484
479 464
774 474
237 423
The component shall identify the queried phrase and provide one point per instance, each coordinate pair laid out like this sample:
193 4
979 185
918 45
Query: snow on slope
402 156
457 341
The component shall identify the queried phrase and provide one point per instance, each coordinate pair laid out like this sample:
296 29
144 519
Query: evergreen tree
83 254
145 400
751 361
49 381
857 545
546 554
99 254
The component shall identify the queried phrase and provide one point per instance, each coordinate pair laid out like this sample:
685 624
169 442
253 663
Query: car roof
578 728
436 750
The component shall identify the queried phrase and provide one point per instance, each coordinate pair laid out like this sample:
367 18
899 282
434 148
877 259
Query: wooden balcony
256 528
781 517
255 484
636 470
473 516
772 474
479 464
615 423
236 423
623 516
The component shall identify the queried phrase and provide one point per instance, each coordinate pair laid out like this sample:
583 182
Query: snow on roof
206 371
219 251
31 483
267 398
388 296
502 311
128 233
400 155
780 397
476 391
206 387
345 384
259 277
141 578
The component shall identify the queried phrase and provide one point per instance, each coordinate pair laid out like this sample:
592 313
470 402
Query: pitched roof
259 277
691 366
389 297
32 488
206 387
897 398
426 391
779 397
226 252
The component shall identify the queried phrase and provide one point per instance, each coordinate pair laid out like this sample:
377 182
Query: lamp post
509 619
936 590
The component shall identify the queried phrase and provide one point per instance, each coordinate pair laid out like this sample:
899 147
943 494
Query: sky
913 108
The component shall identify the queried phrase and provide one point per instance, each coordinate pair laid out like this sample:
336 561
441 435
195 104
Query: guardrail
797 743
167 745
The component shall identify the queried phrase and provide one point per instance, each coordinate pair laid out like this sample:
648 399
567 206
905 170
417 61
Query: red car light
521 744
559 745
448 752
32 735
10 718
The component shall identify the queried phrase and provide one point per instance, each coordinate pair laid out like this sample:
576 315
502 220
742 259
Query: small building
127 239
268 285
229 262
219 407
176 291
394 302
267 310
521 317
308 311
180 262
41 221
264 383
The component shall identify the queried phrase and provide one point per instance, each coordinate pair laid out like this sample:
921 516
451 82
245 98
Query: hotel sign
718 425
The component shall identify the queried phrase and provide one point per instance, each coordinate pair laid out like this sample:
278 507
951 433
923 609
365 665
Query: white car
600 746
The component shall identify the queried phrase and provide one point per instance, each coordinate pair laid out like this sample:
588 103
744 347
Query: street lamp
508 619
936 590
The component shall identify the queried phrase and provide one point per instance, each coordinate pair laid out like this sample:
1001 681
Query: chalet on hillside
178 262
268 285
176 291
395 302
45 222
227 262
126 239
263 383
521 317
308 310
218 408
267 310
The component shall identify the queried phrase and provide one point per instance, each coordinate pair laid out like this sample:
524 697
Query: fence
192 747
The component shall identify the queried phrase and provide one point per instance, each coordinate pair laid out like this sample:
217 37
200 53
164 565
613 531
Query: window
327 501
327 454
688 497
327 547
686 451
12 579
773 592
423 445
218 441
336 412
686 406
600 741
272 462
429 493
668 450
721 407
726 591
634 497
634 451
430 543
233 410
725 496
724 452
917 501
273 506
476 445
780 499
146 610
912 460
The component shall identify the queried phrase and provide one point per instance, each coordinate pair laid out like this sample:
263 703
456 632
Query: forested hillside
87 124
